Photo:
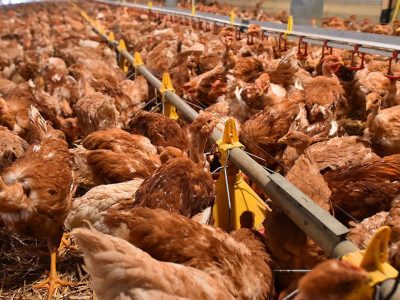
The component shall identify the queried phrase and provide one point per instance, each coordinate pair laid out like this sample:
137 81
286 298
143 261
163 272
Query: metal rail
375 44
324 229
23 2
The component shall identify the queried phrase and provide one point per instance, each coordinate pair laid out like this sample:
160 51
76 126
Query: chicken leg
53 281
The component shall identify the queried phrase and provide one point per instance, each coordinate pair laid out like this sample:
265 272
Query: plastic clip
302 55
232 17
390 73
111 37
282 43
353 53
325 48
123 62
289 28
236 205
166 86
374 261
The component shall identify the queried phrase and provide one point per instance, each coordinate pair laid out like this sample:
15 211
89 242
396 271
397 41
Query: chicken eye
52 192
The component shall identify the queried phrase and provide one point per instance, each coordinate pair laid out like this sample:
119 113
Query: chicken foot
53 281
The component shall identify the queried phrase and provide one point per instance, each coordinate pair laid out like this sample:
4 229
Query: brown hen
183 185
325 99
36 191
115 155
241 259
131 97
367 188
177 186
333 280
136 275
305 175
96 112
383 126
161 130
261 133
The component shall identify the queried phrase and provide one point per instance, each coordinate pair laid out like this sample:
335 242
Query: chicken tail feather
36 118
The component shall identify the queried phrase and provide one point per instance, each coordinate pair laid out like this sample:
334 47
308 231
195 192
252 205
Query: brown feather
96 112
367 188
161 130
178 186
11 147
261 133
332 280
241 258
119 167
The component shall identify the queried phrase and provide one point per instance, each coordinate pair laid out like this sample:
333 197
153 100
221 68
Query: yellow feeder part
247 209
232 17
121 45
111 37
98 27
74 5
86 17
374 261
137 59
166 86
123 64
246 205
193 9
289 28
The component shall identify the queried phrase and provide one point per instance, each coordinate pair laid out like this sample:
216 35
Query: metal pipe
324 229
371 43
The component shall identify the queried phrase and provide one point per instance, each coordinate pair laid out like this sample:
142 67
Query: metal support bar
369 43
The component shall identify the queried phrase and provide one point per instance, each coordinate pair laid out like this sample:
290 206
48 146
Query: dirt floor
24 262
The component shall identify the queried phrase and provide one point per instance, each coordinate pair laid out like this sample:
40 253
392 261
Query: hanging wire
291 295
131 74
377 294
389 296
192 104
258 157
292 271
227 190
149 102
155 107
201 104
345 212
216 170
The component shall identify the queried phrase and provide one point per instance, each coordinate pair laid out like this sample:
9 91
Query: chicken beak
337 65
282 140
371 104
368 108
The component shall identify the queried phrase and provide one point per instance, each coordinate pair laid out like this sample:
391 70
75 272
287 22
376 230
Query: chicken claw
53 281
